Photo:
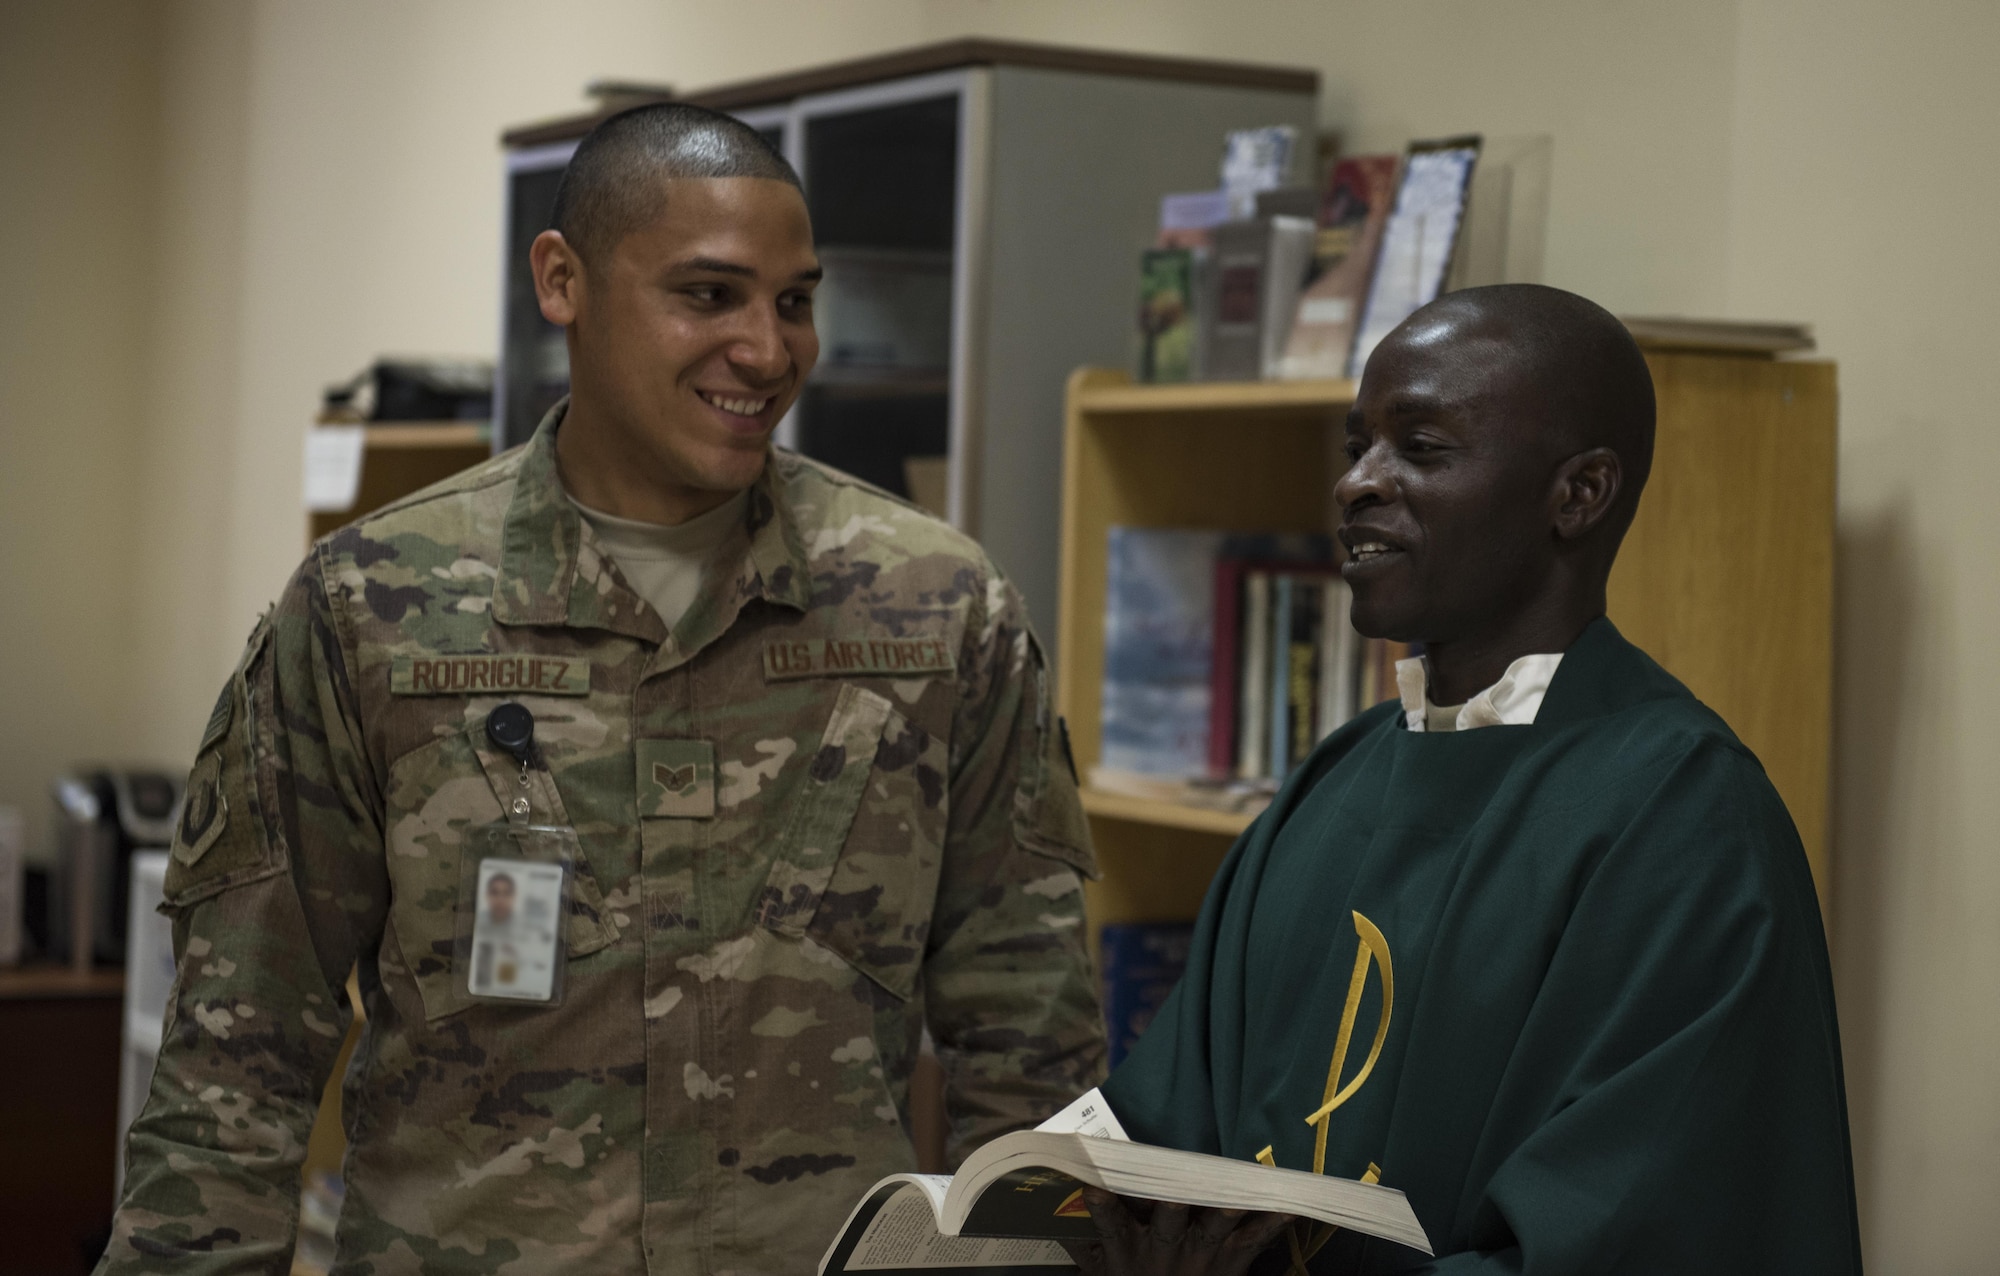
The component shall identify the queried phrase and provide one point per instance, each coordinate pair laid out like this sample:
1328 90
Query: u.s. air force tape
835 657
473 675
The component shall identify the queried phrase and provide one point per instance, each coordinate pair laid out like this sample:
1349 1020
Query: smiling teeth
1372 548
741 407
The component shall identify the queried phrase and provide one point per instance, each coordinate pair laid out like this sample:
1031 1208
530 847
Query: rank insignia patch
676 779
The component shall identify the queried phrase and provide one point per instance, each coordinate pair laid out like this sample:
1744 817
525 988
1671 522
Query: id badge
516 897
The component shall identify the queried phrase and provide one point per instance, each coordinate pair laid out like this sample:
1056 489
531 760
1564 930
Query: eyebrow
1403 405
717 266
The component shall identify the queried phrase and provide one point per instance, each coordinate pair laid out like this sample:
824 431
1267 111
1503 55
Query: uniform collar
553 572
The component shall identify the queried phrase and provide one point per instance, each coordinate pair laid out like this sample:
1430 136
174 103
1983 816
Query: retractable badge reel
515 889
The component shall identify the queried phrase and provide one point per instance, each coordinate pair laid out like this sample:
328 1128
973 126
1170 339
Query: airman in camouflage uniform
829 808
818 811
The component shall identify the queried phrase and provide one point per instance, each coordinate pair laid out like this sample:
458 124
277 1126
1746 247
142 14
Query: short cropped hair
1589 374
612 184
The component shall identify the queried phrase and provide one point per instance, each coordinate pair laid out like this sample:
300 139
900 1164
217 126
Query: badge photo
515 899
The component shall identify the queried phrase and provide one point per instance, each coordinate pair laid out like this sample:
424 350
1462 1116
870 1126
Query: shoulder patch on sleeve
218 842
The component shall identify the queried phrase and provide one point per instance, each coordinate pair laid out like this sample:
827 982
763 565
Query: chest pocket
439 797
856 867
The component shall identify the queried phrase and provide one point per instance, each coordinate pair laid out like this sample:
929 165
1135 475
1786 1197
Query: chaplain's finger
1208 1229
1255 1231
1108 1214
1169 1224
1087 1255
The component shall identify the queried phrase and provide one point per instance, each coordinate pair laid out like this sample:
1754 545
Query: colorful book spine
1224 709
1253 760
1281 675
1338 646
1301 688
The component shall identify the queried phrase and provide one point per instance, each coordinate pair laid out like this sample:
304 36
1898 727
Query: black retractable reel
511 728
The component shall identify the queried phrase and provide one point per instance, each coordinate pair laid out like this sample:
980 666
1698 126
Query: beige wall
1862 188
77 165
328 190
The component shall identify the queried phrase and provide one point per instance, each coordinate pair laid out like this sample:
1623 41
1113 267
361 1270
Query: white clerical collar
1512 701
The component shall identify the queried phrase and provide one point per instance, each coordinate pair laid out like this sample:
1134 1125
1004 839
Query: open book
1014 1199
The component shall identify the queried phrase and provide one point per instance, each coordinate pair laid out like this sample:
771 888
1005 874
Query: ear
1586 487
558 275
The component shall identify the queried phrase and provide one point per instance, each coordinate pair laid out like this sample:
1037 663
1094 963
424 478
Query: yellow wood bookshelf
1726 577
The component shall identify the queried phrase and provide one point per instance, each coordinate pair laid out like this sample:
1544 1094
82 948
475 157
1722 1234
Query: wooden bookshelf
403 458
1726 577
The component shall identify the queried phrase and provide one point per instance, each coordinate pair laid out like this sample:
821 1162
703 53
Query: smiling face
689 338
1447 502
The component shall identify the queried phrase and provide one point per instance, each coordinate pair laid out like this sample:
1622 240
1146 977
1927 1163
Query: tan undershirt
664 564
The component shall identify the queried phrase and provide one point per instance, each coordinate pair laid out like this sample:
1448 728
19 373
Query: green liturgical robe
1563 984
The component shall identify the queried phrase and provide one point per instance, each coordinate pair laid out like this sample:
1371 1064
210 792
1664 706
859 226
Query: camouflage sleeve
1010 994
275 878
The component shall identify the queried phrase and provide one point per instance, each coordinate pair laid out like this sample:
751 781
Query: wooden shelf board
1118 806
1215 396
45 980
426 434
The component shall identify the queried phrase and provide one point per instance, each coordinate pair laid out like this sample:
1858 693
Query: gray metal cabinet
980 208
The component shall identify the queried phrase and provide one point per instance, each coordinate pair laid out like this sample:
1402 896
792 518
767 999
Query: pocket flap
811 842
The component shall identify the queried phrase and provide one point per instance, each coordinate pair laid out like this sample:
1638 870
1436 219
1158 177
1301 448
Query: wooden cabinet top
945 56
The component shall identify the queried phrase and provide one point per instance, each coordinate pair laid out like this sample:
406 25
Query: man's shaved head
614 182
1497 446
1574 359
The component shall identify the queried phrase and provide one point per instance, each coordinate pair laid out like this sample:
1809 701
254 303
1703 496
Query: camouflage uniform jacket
828 809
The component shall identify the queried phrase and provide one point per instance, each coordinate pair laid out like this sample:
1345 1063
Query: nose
1366 481
759 350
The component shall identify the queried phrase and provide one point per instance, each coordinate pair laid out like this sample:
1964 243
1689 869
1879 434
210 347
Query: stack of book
1227 658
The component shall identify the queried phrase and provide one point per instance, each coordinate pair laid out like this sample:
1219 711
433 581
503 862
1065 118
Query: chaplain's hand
1153 1238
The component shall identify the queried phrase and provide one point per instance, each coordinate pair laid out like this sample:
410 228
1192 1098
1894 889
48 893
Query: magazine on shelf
1351 217
1418 242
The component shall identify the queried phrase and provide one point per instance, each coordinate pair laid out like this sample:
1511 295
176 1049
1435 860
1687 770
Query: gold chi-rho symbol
1372 950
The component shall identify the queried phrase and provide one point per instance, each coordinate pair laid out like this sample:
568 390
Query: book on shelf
1247 669
1009 1207
1228 656
1169 325
1256 271
1142 961
1350 219
1158 630
1296 671
1159 634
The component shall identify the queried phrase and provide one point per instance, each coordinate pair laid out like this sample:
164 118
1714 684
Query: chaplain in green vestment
1548 959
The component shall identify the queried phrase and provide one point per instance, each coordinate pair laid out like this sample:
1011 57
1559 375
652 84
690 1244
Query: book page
903 1234
1090 1116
